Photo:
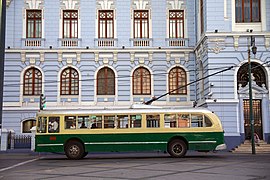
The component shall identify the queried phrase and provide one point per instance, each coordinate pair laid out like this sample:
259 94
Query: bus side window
70 122
170 120
183 120
95 122
152 121
54 124
196 120
135 121
83 122
122 121
109 121
42 125
207 122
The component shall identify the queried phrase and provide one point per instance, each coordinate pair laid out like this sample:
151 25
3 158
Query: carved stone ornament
105 4
141 4
34 4
70 4
219 44
168 57
202 49
257 91
132 56
8 2
60 57
175 4
236 42
216 49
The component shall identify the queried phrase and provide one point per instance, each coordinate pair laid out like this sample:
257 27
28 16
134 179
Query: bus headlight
221 147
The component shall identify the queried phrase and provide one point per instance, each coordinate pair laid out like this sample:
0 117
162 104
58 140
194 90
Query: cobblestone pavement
197 166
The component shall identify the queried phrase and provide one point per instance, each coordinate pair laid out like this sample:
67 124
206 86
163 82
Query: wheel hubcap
177 149
74 150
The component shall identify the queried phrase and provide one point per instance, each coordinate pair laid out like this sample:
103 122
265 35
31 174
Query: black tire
177 148
85 154
74 150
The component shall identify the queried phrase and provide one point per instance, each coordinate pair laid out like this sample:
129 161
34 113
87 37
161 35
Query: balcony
141 42
69 42
105 42
177 42
33 42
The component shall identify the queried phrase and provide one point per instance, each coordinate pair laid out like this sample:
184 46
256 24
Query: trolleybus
78 132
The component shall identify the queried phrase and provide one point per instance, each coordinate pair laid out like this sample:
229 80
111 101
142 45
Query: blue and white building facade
114 53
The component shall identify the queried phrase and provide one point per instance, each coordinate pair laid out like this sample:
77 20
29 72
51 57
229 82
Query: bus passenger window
54 124
196 120
122 121
70 122
83 122
95 122
42 125
135 121
152 121
170 120
183 120
207 122
109 121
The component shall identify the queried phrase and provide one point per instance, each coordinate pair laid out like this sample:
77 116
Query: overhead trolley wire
157 98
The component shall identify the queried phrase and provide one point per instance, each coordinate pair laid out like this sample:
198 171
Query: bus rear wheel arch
177 148
74 149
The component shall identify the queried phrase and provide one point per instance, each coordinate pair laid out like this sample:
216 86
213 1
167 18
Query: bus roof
131 110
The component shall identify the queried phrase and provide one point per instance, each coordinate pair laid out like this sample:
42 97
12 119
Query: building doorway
257 116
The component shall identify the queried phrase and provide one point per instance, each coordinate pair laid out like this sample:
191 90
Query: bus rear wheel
74 150
177 148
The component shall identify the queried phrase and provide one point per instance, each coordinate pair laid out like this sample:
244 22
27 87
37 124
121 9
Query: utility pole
251 42
2 51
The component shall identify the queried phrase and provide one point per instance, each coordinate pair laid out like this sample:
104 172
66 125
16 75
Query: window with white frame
141 81
69 82
33 23
105 82
27 125
177 81
105 24
176 24
247 11
32 82
70 23
141 24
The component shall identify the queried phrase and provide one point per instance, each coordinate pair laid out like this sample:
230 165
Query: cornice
152 50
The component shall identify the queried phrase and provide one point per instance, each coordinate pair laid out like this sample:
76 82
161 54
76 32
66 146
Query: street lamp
251 119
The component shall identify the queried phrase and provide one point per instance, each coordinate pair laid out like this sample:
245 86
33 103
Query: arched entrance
260 92
257 116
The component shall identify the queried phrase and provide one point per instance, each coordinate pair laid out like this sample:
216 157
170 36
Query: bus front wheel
177 148
74 150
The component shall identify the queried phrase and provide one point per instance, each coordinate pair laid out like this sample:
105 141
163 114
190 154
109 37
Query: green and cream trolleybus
77 132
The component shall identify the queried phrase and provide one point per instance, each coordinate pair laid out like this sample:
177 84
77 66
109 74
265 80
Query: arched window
257 72
177 78
105 82
141 81
69 82
32 82
27 125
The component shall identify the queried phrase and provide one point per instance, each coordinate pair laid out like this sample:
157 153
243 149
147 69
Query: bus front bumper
221 147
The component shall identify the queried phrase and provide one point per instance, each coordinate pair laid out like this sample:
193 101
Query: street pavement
19 165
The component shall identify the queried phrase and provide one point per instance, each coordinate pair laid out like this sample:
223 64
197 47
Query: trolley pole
2 51
251 42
